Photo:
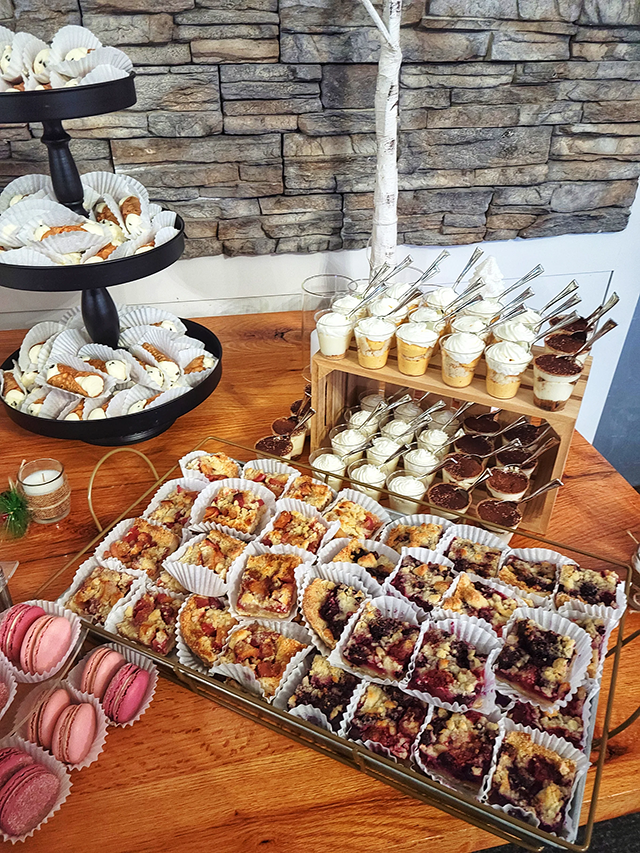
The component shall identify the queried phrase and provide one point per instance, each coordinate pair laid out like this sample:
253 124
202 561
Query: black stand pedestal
100 316
64 172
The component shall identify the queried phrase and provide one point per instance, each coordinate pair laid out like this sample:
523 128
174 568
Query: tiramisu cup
381 449
420 463
275 445
446 496
564 343
485 425
367 478
374 337
517 459
554 378
506 364
507 484
334 334
461 353
347 441
462 470
525 433
505 513
328 467
415 343
406 492
473 445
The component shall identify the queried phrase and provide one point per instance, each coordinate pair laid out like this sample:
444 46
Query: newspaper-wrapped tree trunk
384 234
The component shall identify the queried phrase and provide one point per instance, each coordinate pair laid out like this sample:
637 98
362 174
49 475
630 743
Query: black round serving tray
130 428
74 102
81 277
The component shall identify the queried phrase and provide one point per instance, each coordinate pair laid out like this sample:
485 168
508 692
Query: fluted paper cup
198 524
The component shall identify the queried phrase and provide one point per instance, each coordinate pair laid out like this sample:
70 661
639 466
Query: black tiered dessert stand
99 312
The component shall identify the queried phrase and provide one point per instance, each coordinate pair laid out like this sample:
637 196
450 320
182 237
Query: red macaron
26 798
14 627
45 644
126 693
42 720
99 669
74 733
12 759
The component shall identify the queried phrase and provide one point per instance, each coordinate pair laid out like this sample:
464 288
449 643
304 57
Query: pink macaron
125 695
74 733
27 798
42 721
14 627
46 643
99 669
12 759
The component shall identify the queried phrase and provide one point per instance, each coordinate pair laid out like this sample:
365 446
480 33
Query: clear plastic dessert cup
436 441
369 400
471 326
440 298
346 441
507 484
445 496
407 412
506 365
380 451
486 309
517 459
505 513
334 334
562 343
405 492
513 331
554 378
374 337
431 317
420 463
461 353
462 470
387 308
398 431
415 343
362 420
367 478
328 467
345 303
442 420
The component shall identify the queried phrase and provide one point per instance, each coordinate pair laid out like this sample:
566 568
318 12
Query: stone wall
254 117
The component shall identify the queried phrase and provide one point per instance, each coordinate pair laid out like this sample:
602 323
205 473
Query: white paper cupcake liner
286 504
474 534
60 246
185 655
205 497
167 397
289 485
424 555
139 659
26 257
29 53
58 769
118 613
536 555
326 554
154 210
195 472
187 342
246 677
117 186
367 503
79 402
191 484
614 613
272 466
137 374
72 319
415 521
56 402
149 315
14 70
472 631
73 36
67 344
200 579
551 621
26 185
8 678
83 573
100 56
492 583
371 745
309 713
52 217
163 219
122 401
610 623
102 74
193 379
53 609
39 334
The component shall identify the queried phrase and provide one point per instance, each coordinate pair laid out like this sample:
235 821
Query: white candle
42 482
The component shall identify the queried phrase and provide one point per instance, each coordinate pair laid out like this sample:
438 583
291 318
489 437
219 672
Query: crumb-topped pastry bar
566 722
354 519
475 598
291 527
98 593
327 688
262 650
422 583
588 585
268 586
536 660
143 547
205 624
310 491
468 556
376 564
448 668
165 580
216 551
596 628
380 646
274 482
151 621
387 716
414 536
535 778
239 509
538 577
327 606
174 510
214 466
458 746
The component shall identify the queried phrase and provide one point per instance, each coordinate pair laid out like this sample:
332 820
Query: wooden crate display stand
338 383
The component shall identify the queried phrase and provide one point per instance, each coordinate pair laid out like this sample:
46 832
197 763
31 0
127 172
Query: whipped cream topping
530 318
409 486
384 447
357 419
507 352
425 315
333 324
385 306
417 333
485 308
395 429
371 401
369 474
349 438
464 343
422 458
329 462
397 291
435 438
441 297
489 271
467 323
514 330
407 411
345 304
375 327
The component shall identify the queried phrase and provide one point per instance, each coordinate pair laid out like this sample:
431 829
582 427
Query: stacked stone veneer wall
254 117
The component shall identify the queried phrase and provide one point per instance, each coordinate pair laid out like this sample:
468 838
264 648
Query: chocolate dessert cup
554 378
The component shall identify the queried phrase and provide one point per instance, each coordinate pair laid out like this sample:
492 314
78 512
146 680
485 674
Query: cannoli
76 414
131 211
77 53
139 405
155 374
28 379
96 363
41 234
164 363
34 352
12 392
200 363
41 62
75 381
104 213
99 413
145 248
5 59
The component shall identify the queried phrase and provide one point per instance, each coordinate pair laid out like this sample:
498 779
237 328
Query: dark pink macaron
45 644
27 798
74 733
11 760
14 627
42 720
125 694
99 669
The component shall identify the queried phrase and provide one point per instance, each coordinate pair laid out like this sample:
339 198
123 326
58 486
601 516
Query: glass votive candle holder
45 486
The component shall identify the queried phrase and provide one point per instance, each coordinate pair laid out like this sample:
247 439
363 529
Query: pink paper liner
415 520
192 473
425 555
366 502
52 764
198 578
209 492
509 591
471 630
186 656
54 609
304 509
84 571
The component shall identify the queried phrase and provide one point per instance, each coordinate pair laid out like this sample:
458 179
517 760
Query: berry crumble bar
592 587
151 621
354 519
205 624
215 466
380 646
268 586
422 583
376 564
144 546
567 722
216 551
387 716
99 592
291 527
596 628
327 606
174 510
274 482
538 577
239 509
475 598
414 536
310 491
327 688
468 556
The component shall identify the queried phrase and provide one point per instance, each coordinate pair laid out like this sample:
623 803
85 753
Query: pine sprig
14 513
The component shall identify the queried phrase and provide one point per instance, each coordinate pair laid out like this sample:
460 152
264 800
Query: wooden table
193 776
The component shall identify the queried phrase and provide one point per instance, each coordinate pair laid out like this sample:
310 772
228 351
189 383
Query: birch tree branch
377 20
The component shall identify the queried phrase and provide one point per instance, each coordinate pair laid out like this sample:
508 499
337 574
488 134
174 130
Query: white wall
206 286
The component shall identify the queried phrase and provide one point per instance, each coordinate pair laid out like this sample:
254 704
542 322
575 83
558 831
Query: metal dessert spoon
571 302
567 291
515 303
477 253
554 328
434 268
553 484
608 327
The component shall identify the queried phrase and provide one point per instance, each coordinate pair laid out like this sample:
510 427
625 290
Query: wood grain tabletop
194 776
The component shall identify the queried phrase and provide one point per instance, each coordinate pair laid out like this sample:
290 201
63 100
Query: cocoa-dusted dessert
328 606
268 586
566 722
538 577
565 343
537 661
588 585
151 621
376 564
462 470
458 746
525 433
473 445
389 717
507 485
474 598
468 556
275 445
484 425
327 688
205 624
380 646
99 592
274 482
504 513
579 325
422 583
426 535
284 426
517 459
554 378
448 496
534 778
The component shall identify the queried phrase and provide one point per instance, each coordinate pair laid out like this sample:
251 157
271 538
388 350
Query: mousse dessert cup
387 308
415 343
484 425
431 318
334 334
513 331
446 496
436 441
440 298
461 353
566 343
275 445
367 478
473 445
516 459
507 484
328 467
398 431
420 463
407 412
506 364
525 433
374 336
486 310
405 492
471 326
362 421
346 441
462 470
369 400
505 513
442 419
381 449
345 303
554 378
